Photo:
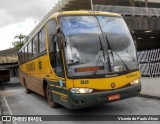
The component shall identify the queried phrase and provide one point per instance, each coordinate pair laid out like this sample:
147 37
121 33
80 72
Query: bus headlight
137 81
81 90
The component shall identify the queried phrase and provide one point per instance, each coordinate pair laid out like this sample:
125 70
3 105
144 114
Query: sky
19 17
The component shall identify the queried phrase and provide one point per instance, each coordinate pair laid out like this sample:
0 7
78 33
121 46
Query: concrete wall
9 55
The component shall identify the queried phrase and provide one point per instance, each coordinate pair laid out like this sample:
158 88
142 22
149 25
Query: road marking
10 111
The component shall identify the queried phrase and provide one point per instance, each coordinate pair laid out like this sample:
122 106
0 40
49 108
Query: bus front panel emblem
113 85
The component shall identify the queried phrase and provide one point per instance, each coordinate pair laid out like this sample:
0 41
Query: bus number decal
131 75
30 67
84 82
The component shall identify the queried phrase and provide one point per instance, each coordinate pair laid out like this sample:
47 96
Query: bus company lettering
30 67
84 82
132 75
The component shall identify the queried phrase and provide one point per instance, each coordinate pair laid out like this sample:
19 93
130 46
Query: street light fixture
91 5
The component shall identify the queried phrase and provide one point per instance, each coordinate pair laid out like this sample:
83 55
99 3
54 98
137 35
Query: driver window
58 64
54 52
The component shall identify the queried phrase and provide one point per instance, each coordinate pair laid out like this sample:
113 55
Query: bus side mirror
58 29
58 38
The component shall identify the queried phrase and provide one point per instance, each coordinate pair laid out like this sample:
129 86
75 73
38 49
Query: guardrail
149 62
127 10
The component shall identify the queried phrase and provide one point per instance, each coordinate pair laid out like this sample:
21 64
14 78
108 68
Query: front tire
51 102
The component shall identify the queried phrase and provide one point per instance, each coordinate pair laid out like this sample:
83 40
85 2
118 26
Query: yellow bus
81 58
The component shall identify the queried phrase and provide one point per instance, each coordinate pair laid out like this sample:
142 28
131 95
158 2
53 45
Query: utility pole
146 3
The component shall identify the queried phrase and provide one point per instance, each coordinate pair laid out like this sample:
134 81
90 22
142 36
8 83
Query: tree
21 40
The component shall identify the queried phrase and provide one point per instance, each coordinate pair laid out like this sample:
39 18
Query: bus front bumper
86 100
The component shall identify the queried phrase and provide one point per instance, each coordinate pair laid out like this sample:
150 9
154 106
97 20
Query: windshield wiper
98 59
125 65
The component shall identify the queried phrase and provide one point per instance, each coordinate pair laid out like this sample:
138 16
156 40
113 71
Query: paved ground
151 86
20 103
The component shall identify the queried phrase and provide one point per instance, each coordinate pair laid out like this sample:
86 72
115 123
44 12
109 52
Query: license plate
114 97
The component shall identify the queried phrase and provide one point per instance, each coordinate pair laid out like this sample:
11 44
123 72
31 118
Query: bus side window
30 50
42 40
35 45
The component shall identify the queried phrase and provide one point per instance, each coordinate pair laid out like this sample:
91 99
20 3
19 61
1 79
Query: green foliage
21 40
17 44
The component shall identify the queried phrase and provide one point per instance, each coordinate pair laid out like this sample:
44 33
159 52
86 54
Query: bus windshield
98 45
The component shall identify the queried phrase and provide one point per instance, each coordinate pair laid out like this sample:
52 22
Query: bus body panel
32 73
32 83
86 100
105 83
77 101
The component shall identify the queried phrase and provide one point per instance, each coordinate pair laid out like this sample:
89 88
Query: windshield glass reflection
88 51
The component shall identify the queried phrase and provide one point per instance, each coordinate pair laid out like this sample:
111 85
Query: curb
149 96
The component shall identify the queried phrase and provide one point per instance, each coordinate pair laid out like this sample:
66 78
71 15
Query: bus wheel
50 98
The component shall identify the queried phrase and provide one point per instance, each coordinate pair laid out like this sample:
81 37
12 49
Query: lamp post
146 3
91 5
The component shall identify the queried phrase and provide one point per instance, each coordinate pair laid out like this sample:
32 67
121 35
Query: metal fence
149 62
127 10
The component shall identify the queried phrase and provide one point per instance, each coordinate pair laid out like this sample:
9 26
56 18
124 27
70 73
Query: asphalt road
14 101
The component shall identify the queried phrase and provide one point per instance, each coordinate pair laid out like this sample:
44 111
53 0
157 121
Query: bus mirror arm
59 41
58 29
61 37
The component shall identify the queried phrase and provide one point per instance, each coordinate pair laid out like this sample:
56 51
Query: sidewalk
150 87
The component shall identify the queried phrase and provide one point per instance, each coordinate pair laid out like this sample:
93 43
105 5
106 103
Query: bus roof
78 12
83 12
